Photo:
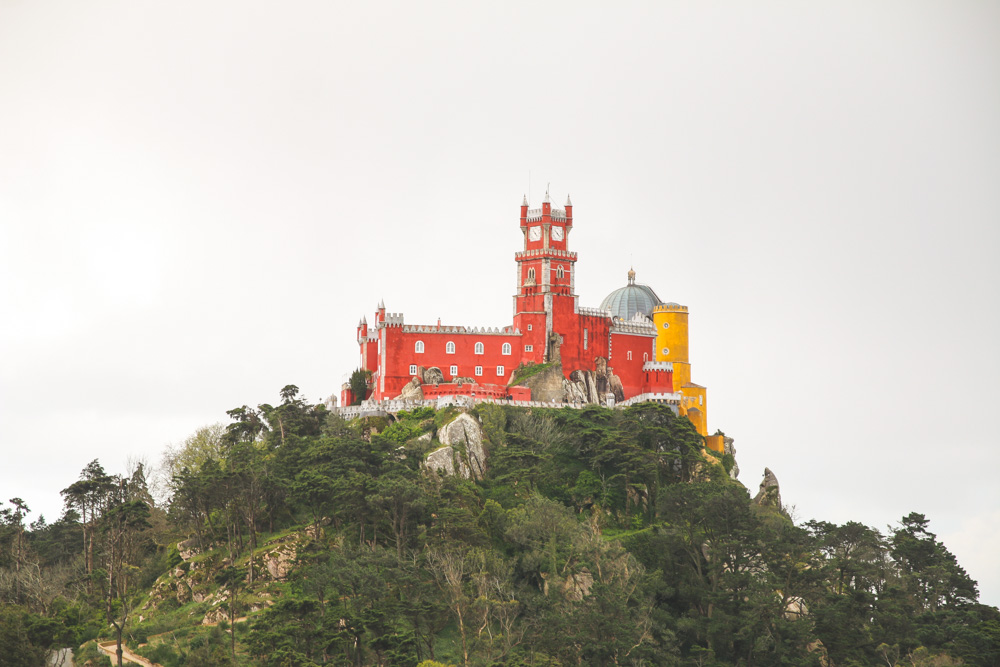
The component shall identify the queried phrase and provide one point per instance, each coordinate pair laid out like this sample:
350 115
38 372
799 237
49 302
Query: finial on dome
568 202
631 276
547 200
524 201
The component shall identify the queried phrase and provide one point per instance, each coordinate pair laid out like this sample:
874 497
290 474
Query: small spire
547 200
631 276
524 202
381 304
568 201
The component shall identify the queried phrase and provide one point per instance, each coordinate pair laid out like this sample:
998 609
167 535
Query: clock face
535 233
557 233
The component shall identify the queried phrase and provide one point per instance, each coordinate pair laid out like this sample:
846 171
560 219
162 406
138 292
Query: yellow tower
671 322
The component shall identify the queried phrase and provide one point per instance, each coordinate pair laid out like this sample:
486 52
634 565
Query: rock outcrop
546 385
433 375
599 386
442 461
465 432
769 494
412 391
729 448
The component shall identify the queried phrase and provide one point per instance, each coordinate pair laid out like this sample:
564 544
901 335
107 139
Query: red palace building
612 354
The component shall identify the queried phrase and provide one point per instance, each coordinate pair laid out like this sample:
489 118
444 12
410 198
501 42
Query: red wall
400 354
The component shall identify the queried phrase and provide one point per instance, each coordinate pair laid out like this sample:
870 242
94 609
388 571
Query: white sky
199 200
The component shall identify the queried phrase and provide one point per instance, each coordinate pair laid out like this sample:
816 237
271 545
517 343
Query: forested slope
591 537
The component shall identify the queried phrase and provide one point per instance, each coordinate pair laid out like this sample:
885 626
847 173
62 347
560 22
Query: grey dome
626 301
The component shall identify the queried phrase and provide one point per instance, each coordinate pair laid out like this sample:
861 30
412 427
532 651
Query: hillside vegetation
581 537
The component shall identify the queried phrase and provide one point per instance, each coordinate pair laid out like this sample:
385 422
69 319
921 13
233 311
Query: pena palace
633 348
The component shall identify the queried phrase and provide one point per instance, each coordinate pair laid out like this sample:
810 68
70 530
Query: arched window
628 355
559 272
645 356
531 275
449 348
505 349
419 347
479 348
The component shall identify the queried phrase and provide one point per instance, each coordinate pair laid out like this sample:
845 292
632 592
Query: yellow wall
716 443
674 337
694 404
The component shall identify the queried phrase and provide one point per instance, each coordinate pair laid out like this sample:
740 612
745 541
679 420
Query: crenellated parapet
536 214
673 399
480 331
670 308
545 252
633 327
391 320
658 366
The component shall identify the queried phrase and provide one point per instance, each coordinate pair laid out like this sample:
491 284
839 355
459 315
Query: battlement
535 214
545 252
665 398
391 320
633 327
483 331
658 366
669 307
592 312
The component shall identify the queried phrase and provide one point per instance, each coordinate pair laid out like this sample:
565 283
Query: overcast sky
198 201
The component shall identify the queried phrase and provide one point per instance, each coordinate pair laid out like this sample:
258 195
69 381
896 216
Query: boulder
578 586
463 380
279 562
795 608
573 392
188 548
442 461
183 593
433 375
769 494
412 391
465 430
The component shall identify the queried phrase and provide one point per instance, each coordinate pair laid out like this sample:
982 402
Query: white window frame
559 272
449 347
480 348
628 355
529 348
505 349
418 347
500 371
529 327
413 369
479 371
453 371
585 338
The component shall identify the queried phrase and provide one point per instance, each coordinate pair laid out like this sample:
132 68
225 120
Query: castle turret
671 322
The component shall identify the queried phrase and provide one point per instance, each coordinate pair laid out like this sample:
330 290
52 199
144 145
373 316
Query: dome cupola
626 301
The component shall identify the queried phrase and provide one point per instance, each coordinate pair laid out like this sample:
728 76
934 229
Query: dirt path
110 649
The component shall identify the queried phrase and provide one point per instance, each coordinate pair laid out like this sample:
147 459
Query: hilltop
489 536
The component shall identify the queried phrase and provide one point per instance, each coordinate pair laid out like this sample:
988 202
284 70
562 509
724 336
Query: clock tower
545 275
